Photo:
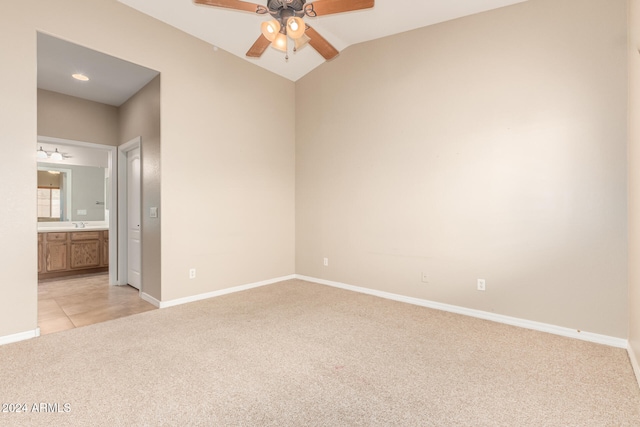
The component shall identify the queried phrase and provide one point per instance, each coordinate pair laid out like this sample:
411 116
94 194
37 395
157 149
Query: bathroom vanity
73 218
77 251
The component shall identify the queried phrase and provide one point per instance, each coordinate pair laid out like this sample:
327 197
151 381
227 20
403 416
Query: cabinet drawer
56 237
40 237
85 235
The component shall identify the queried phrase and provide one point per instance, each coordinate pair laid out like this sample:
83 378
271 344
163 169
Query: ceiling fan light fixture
301 42
56 155
41 154
270 29
275 34
280 42
295 27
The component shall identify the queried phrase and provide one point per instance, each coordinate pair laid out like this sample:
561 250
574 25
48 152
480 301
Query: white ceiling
112 81
235 31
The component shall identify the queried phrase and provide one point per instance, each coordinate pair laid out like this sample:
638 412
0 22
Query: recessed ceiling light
80 77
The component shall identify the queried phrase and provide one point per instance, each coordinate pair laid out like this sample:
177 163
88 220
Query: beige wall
18 292
68 117
236 230
634 181
493 147
140 116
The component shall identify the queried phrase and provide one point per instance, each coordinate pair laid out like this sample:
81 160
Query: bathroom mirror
71 193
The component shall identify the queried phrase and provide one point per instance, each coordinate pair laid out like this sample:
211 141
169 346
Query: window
49 203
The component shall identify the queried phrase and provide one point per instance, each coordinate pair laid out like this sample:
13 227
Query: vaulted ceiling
113 80
235 31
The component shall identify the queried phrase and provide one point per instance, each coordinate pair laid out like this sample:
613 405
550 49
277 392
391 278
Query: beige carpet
301 354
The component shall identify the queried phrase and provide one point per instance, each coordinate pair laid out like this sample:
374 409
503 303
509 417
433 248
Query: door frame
112 199
123 252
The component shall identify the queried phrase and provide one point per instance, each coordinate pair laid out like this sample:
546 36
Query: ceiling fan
287 22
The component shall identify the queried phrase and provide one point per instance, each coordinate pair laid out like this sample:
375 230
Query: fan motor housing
278 5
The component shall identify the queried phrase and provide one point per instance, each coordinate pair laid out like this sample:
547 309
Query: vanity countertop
68 227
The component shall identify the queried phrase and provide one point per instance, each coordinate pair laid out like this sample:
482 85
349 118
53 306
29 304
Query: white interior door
134 258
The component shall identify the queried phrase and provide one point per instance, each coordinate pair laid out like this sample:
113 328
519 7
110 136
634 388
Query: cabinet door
85 254
56 256
105 252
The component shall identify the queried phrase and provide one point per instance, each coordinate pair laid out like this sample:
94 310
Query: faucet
79 224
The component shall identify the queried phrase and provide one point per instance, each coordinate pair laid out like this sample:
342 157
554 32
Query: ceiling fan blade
258 47
327 7
232 4
320 44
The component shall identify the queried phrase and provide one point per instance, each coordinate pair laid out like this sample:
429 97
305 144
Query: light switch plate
153 212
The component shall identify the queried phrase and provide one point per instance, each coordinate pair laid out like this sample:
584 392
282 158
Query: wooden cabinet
68 253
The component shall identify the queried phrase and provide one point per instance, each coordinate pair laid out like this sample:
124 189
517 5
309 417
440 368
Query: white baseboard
180 301
148 298
513 321
635 362
8 339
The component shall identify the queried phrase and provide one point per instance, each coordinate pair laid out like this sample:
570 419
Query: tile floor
69 303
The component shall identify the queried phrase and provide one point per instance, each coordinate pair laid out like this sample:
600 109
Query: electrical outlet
482 284
326 262
425 278
192 273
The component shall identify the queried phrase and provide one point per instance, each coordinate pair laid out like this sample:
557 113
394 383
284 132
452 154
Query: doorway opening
84 235
78 238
